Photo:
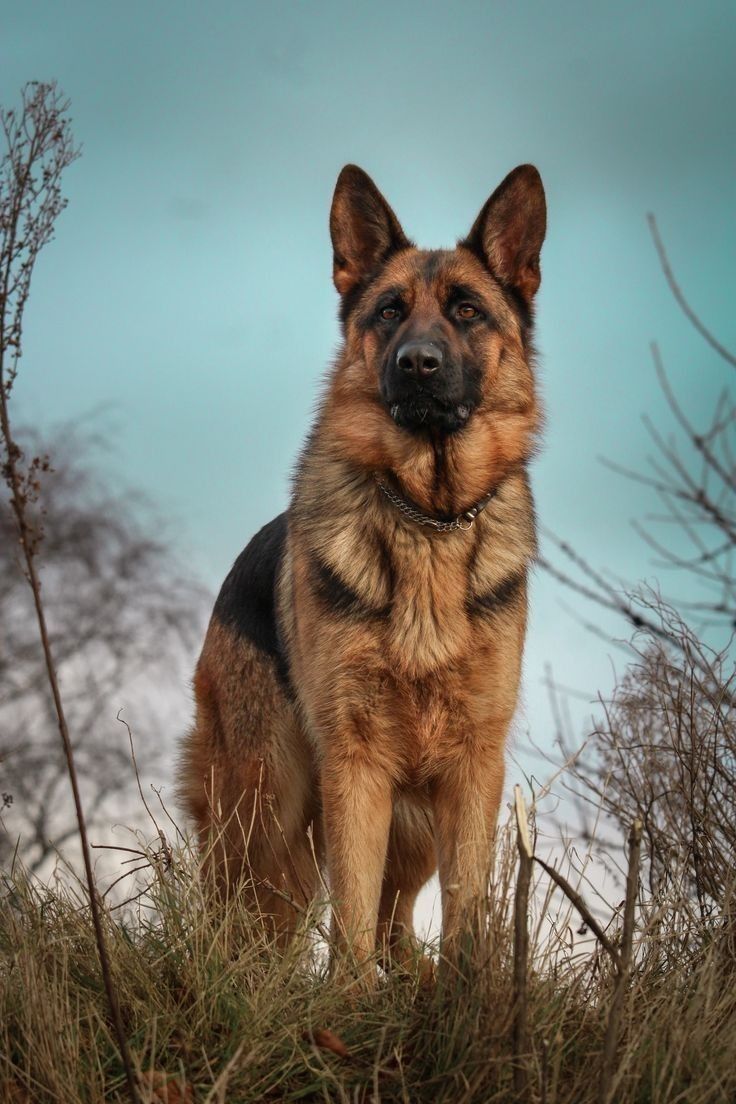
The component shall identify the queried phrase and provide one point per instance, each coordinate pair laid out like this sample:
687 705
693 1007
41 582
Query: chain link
463 521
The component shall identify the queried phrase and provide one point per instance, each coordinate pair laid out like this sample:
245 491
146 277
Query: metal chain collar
463 521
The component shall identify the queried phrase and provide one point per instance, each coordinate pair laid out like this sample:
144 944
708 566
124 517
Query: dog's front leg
466 798
357 805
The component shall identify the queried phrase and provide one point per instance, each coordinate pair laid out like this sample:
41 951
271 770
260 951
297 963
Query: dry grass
213 1013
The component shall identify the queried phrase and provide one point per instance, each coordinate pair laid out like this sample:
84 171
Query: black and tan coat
361 668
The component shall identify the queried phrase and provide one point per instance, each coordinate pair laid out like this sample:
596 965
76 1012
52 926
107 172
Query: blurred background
180 324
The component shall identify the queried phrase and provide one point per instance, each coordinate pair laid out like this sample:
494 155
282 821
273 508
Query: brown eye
388 314
467 311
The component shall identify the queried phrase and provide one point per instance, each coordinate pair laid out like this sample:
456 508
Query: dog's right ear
363 228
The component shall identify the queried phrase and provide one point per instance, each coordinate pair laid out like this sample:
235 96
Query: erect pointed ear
509 231
363 228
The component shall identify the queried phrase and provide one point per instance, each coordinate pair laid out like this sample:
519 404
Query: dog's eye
389 314
467 311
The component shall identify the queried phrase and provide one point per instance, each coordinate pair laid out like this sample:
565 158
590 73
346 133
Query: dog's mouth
425 412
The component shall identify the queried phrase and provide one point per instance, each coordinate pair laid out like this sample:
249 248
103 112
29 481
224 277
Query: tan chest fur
418 661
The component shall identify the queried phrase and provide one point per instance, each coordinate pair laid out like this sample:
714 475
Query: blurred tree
120 612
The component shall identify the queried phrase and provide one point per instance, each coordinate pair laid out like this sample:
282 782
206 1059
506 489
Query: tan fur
246 780
392 744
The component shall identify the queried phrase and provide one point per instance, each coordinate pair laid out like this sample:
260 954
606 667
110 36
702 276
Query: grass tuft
214 1013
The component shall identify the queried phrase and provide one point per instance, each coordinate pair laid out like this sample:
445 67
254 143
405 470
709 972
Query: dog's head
440 341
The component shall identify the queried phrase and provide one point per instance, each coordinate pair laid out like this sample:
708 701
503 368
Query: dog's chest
417 601
429 625
415 589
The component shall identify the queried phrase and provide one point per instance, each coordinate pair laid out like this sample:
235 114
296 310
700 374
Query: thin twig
575 898
302 910
121 720
521 948
607 1083
681 300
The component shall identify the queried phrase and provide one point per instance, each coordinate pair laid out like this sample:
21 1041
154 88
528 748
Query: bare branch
681 300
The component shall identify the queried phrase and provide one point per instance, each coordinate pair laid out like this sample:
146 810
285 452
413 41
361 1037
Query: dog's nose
419 358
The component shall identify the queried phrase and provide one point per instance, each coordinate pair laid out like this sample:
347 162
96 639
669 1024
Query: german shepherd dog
362 663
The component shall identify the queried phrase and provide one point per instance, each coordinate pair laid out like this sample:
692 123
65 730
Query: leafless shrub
664 753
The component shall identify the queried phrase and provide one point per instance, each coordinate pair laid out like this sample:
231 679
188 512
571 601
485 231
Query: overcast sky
188 291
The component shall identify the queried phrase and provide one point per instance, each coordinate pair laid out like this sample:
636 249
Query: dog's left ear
509 231
364 229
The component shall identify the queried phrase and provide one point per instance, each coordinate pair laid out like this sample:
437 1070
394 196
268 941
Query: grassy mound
213 1013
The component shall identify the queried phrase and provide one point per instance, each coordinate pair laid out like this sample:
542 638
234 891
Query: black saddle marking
247 600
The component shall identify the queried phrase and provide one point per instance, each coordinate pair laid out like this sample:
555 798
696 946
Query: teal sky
188 291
